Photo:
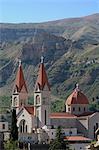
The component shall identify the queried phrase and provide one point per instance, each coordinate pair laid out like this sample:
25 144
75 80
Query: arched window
37 99
15 101
26 128
22 126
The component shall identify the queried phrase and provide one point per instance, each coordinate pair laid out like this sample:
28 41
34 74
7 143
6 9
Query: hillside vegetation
70 48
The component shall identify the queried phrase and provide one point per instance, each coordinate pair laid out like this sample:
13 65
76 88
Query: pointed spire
42 79
20 82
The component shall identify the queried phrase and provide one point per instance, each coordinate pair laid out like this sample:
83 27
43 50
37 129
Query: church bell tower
42 97
20 93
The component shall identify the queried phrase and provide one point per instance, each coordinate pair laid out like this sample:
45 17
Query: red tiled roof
42 79
77 138
62 115
77 97
20 82
30 109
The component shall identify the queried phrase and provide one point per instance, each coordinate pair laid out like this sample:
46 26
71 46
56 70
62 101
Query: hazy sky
17 11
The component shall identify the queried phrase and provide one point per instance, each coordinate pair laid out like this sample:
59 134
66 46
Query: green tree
11 145
58 143
14 128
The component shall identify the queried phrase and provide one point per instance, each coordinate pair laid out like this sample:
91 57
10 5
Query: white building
78 142
4 128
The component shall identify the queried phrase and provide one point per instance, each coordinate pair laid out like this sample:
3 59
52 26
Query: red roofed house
76 121
78 142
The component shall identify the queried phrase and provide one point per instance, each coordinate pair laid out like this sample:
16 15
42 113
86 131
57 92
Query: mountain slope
70 48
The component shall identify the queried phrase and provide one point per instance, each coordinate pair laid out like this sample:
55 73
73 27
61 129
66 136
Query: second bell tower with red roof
42 97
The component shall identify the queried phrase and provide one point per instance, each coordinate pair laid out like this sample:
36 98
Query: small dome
77 97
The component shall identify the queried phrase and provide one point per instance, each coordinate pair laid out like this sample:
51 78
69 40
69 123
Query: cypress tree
14 128
58 143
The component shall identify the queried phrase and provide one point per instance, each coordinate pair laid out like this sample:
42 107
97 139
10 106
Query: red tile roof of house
77 138
20 82
42 79
77 97
62 115
30 109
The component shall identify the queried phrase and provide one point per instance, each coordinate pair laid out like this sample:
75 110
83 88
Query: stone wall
64 123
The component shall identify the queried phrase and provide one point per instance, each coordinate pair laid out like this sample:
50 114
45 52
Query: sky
34 11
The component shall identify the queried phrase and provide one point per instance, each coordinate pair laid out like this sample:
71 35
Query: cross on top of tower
20 62
42 59
77 87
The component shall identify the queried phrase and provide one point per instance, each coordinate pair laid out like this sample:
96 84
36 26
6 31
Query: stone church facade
37 119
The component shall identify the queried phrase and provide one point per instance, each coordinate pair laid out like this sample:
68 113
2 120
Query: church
38 122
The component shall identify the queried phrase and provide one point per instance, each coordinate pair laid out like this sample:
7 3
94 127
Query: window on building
70 132
52 127
47 140
15 101
84 109
37 99
68 108
26 128
23 126
96 126
3 126
94 131
79 108
73 108
52 133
